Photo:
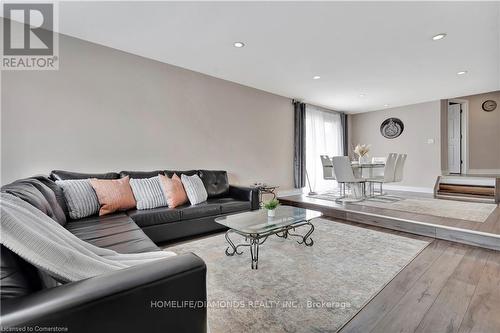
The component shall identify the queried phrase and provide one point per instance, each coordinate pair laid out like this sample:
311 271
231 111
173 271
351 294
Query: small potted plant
271 207
362 152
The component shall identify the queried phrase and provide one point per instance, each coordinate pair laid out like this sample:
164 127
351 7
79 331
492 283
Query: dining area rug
461 210
298 288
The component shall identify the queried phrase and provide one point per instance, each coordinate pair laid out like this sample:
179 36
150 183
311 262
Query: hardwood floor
449 287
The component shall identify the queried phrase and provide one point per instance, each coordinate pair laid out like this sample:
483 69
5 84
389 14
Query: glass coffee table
256 227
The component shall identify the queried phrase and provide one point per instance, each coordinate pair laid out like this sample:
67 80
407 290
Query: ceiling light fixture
439 36
238 44
386 105
461 72
316 77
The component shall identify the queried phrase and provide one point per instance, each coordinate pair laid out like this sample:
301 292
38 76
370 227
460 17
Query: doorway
457 123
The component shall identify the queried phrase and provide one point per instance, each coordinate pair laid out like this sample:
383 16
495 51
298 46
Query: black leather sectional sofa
129 300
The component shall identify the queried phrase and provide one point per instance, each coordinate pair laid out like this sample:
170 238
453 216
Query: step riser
475 190
468 188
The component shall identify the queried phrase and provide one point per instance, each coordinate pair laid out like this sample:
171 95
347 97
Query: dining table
359 172
358 168
365 170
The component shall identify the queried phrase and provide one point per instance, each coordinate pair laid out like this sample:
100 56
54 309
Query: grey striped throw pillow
148 193
195 189
80 197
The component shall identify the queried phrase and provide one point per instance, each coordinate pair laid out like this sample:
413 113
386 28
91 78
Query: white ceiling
381 49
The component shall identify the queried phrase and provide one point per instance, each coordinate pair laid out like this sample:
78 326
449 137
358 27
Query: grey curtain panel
345 134
299 158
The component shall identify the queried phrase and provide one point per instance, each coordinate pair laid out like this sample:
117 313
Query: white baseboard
409 188
484 171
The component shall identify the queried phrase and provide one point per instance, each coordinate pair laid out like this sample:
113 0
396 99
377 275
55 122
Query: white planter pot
271 212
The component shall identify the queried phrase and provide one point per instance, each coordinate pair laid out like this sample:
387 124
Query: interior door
454 133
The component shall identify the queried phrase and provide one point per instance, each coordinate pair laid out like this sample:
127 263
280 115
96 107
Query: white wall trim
484 171
409 188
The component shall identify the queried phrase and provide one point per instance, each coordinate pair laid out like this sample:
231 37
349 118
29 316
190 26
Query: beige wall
484 133
106 110
422 122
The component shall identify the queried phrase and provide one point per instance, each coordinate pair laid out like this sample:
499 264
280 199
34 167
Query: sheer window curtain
324 136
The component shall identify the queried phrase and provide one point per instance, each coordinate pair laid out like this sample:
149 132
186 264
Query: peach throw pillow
173 190
113 194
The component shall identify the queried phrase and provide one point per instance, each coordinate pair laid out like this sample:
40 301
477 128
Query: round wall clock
391 128
489 105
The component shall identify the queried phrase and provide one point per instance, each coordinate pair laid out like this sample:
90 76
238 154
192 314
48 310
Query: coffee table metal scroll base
255 240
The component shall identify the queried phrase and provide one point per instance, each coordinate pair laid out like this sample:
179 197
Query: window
324 136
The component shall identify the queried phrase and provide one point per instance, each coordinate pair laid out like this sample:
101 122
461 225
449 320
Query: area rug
462 210
299 288
468 211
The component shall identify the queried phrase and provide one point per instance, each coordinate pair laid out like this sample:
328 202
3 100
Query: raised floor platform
485 234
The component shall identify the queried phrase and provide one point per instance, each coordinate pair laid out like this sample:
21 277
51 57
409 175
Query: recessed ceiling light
439 36
362 95
461 72
316 77
238 44
386 105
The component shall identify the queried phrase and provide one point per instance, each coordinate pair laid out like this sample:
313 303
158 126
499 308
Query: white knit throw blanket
46 244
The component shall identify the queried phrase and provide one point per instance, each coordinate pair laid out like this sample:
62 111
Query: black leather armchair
135 299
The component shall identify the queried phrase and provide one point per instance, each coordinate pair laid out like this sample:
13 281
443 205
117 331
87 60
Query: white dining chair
398 175
345 176
377 172
400 165
388 177
327 164
379 160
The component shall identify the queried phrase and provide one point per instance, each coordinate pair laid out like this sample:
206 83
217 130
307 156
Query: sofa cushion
168 232
17 277
173 190
148 192
170 173
216 182
141 174
58 192
113 194
116 232
230 205
195 189
80 196
204 209
154 216
38 195
64 175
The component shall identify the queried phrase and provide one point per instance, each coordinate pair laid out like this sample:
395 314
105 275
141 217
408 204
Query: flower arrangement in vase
271 207
362 152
